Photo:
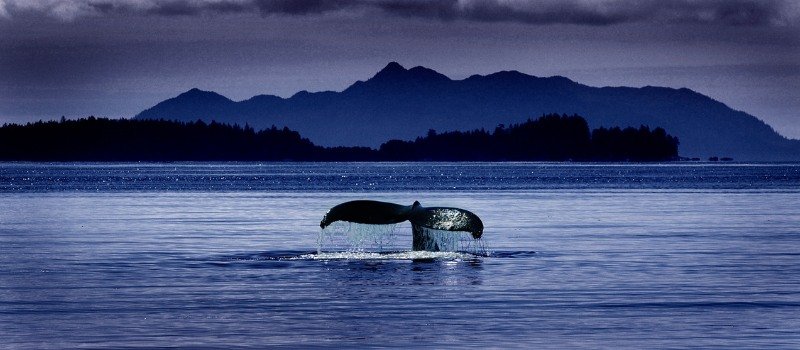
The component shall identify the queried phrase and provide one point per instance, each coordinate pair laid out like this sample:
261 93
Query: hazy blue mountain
400 103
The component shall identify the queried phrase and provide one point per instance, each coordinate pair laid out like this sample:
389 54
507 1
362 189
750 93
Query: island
551 137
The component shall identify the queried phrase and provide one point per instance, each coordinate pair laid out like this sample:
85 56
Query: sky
116 58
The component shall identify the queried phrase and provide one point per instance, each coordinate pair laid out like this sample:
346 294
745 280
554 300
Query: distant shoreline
553 137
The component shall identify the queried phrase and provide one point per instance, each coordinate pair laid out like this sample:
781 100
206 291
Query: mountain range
400 103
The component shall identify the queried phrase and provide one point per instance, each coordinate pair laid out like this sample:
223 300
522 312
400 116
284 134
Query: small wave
702 304
276 255
513 254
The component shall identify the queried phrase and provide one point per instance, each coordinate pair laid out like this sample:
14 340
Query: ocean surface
229 255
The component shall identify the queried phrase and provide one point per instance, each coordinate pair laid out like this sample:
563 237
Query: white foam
409 255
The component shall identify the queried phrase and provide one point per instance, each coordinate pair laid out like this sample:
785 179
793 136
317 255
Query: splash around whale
429 225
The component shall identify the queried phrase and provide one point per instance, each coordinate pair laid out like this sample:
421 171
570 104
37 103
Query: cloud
601 12
68 10
170 7
580 12
305 7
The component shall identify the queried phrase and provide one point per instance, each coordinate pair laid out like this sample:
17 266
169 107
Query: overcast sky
116 58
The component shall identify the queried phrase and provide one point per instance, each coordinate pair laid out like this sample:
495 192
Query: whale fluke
448 219
380 213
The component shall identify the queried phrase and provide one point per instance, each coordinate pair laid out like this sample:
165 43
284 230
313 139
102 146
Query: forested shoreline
551 137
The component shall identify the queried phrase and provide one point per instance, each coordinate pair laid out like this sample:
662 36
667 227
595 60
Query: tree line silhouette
552 137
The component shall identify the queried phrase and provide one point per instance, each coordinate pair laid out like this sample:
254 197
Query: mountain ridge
400 103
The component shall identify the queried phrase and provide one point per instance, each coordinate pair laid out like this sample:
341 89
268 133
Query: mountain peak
391 71
192 104
396 73
195 91
393 67
197 94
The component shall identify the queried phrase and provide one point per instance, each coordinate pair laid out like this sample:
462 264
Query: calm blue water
224 255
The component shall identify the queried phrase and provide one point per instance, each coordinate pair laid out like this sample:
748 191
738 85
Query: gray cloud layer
582 12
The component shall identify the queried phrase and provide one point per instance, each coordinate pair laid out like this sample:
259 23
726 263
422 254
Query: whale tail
379 213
